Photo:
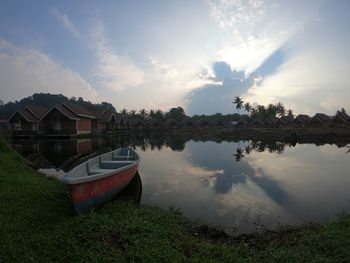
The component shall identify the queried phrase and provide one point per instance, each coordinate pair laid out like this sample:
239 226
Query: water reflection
235 184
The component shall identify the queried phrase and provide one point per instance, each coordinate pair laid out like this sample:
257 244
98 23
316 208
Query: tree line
261 111
48 100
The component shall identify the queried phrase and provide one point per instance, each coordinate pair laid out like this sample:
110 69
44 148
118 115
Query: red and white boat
99 179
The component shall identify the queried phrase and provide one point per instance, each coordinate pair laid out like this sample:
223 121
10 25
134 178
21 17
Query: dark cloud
213 98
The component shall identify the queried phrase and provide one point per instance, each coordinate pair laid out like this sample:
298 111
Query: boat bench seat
114 164
122 158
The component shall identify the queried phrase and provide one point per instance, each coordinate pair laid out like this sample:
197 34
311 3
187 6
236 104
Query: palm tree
290 112
281 110
132 113
239 103
247 107
124 112
239 154
143 114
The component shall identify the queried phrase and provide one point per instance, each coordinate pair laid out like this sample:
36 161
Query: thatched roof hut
270 122
241 124
217 123
172 124
284 121
319 120
341 119
202 123
155 124
188 123
121 121
138 124
27 119
302 120
257 122
104 120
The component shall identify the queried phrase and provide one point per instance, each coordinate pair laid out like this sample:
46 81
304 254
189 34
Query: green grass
37 224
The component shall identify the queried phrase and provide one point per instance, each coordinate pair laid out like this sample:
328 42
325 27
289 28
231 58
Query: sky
197 54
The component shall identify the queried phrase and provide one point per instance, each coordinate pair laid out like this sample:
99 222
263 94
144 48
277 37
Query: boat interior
105 163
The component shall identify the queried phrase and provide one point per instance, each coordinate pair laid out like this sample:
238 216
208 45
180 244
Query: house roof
270 120
26 114
97 113
187 120
107 116
216 121
170 121
63 110
321 117
303 118
78 110
38 112
342 115
201 121
137 120
154 121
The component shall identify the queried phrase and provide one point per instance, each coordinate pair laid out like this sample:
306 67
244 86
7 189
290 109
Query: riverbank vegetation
38 225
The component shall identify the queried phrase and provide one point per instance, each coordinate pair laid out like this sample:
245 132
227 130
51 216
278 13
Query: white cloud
24 71
161 69
66 22
229 14
257 28
116 72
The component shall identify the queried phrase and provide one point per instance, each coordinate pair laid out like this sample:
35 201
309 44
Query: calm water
241 186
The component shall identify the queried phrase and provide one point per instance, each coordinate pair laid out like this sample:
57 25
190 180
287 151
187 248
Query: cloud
24 71
217 97
230 13
66 22
167 71
115 71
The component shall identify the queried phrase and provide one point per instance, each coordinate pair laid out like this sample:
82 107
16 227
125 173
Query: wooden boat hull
95 193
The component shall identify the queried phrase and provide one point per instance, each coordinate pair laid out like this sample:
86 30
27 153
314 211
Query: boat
101 178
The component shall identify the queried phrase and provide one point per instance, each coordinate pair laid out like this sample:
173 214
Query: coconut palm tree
239 154
272 110
281 110
247 107
143 114
124 112
239 103
132 113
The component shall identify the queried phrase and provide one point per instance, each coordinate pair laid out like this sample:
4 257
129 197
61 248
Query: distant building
302 120
217 123
172 124
138 124
155 125
320 120
341 119
202 123
188 123
25 122
67 119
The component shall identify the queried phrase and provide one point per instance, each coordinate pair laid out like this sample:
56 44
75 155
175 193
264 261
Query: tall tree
239 103
281 110
176 113
247 107
124 112
143 114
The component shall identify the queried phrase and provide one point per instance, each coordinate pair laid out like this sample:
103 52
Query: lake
241 186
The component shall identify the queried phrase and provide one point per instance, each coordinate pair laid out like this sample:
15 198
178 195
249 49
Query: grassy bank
38 225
